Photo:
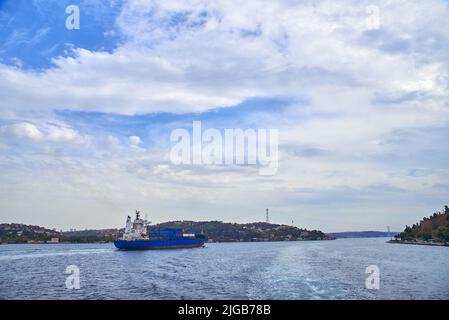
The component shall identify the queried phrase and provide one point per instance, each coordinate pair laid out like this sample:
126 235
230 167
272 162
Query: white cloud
183 57
58 134
353 90
23 130
47 133
135 140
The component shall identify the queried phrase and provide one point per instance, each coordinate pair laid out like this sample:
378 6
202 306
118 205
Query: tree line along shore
216 231
433 230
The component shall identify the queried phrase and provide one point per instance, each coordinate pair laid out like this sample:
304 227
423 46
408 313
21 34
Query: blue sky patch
34 32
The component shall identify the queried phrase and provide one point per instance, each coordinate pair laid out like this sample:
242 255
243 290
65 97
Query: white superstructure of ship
136 230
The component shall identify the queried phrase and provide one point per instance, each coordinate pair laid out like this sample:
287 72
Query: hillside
216 231
92 235
361 234
20 233
258 231
434 228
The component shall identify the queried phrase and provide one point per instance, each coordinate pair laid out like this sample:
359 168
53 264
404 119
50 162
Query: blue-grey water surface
258 270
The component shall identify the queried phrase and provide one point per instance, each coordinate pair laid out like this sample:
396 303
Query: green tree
441 233
405 236
426 236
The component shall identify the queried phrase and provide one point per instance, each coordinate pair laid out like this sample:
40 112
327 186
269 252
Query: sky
358 90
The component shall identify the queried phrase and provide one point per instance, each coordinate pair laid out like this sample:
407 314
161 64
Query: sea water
254 270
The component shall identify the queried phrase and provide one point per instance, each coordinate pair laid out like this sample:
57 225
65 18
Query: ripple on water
267 270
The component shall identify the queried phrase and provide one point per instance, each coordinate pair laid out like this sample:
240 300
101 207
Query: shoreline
101 242
435 244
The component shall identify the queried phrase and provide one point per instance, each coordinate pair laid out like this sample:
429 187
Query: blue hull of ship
159 244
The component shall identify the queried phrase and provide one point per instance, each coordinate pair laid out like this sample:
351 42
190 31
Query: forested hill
18 233
216 231
256 231
435 227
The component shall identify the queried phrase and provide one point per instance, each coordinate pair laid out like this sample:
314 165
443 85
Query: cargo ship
139 235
